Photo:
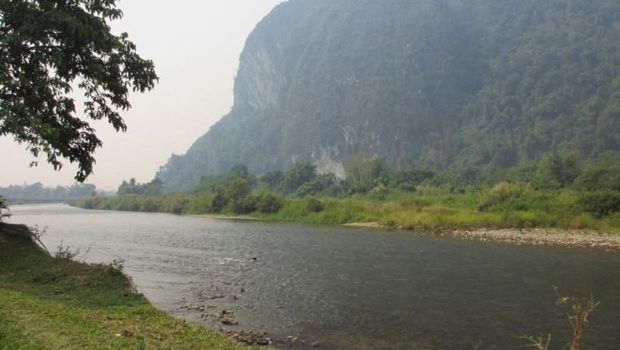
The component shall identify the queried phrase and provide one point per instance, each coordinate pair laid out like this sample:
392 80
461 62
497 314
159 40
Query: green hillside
446 84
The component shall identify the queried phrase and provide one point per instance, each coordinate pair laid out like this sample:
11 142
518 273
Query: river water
344 288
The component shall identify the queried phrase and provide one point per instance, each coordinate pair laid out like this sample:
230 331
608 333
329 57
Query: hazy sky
196 46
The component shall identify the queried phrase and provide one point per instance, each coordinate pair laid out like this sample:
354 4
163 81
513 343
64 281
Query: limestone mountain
481 84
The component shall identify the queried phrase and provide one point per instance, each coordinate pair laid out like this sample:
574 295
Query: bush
504 195
65 253
219 201
245 205
150 206
379 193
601 204
268 203
314 205
598 179
554 171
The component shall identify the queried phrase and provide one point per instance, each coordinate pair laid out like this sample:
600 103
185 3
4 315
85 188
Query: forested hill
456 84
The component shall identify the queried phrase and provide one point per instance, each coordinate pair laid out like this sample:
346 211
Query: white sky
195 45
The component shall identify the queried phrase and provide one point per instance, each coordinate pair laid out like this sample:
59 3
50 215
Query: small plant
579 309
118 264
539 343
141 343
115 268
65 253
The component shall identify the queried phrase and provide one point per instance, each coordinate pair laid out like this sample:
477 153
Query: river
344 288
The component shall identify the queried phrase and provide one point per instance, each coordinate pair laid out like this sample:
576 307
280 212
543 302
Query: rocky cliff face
461 83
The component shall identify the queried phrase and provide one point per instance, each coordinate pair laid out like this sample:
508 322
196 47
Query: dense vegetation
556 191
55 303
474 86
132 187
37 192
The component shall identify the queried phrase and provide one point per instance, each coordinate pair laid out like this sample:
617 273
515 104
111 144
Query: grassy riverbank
502 213
52 303
496 208
558 192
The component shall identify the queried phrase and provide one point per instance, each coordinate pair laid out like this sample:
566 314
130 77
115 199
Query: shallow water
344 288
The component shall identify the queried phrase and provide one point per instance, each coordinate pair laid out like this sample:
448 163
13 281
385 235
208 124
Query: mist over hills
456 84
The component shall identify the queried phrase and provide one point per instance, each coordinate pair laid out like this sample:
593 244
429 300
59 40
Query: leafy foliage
364 173
267 202
550 192
132 187
47 49
298 175
602 203
314 205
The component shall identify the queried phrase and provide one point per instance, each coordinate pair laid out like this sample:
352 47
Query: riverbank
533 236
57 303
540 237
561 218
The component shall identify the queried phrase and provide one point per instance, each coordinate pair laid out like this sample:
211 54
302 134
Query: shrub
379 193
601 204
149 205
178 206
268 203
504 195
314 205
598 179
219 201
245 205
65 253
196 204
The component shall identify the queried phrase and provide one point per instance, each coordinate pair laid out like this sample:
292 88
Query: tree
50 47
273 179
300 173
154 188
556 171
363 173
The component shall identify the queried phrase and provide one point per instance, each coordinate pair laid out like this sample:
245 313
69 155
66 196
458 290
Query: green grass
502 206
49 303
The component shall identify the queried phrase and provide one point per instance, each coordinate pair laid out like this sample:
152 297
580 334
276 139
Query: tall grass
502 206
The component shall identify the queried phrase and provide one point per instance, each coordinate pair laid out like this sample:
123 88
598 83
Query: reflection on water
346 288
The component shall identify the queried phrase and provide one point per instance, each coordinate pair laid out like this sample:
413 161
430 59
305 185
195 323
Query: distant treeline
556 191
38 193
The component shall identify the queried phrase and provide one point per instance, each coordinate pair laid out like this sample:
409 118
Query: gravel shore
532 236
539 236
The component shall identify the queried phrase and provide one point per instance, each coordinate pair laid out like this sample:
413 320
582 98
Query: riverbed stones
249 337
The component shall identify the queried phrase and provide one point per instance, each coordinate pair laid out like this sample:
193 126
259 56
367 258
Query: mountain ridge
439 84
